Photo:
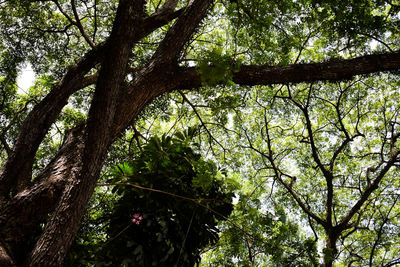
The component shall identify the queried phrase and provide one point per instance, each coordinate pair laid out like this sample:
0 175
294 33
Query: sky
25 79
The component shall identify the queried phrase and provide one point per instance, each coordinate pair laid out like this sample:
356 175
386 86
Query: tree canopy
295 103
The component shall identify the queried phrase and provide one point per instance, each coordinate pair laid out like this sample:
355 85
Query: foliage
330 139
175 218
215 68
270 238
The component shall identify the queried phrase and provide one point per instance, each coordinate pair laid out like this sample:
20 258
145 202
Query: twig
201 120
196 201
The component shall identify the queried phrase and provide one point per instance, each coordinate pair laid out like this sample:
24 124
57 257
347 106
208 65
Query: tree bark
59 232
57 236
335 70
20 217
330 250
15 174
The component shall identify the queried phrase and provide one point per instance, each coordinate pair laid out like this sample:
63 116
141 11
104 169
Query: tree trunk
59 232
20 217
330 250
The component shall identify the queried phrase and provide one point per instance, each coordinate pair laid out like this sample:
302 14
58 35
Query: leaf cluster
215 67
179 211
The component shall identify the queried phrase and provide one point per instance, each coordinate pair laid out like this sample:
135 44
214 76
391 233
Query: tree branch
201 120
25 211
342 128
368 191
79 25
335 70
35 126
380 231
17 169
314 151
276 170
180 33
50 249
158 76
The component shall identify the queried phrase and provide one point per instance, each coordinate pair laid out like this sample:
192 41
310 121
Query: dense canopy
295 105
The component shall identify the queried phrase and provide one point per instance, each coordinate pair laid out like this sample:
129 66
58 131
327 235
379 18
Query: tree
128 53
333 148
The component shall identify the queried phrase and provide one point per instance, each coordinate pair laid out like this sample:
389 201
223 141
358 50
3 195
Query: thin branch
379 232
312 228
276 170
201 120
63 12
79 25
378 40
95 21
368 191
136 136
327 174
305 43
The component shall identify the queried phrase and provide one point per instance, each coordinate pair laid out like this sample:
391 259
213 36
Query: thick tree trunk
59 232
104 124
15 174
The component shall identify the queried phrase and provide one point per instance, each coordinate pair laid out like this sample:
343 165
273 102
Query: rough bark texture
328 71
59 232
15 175
60 194
20 217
